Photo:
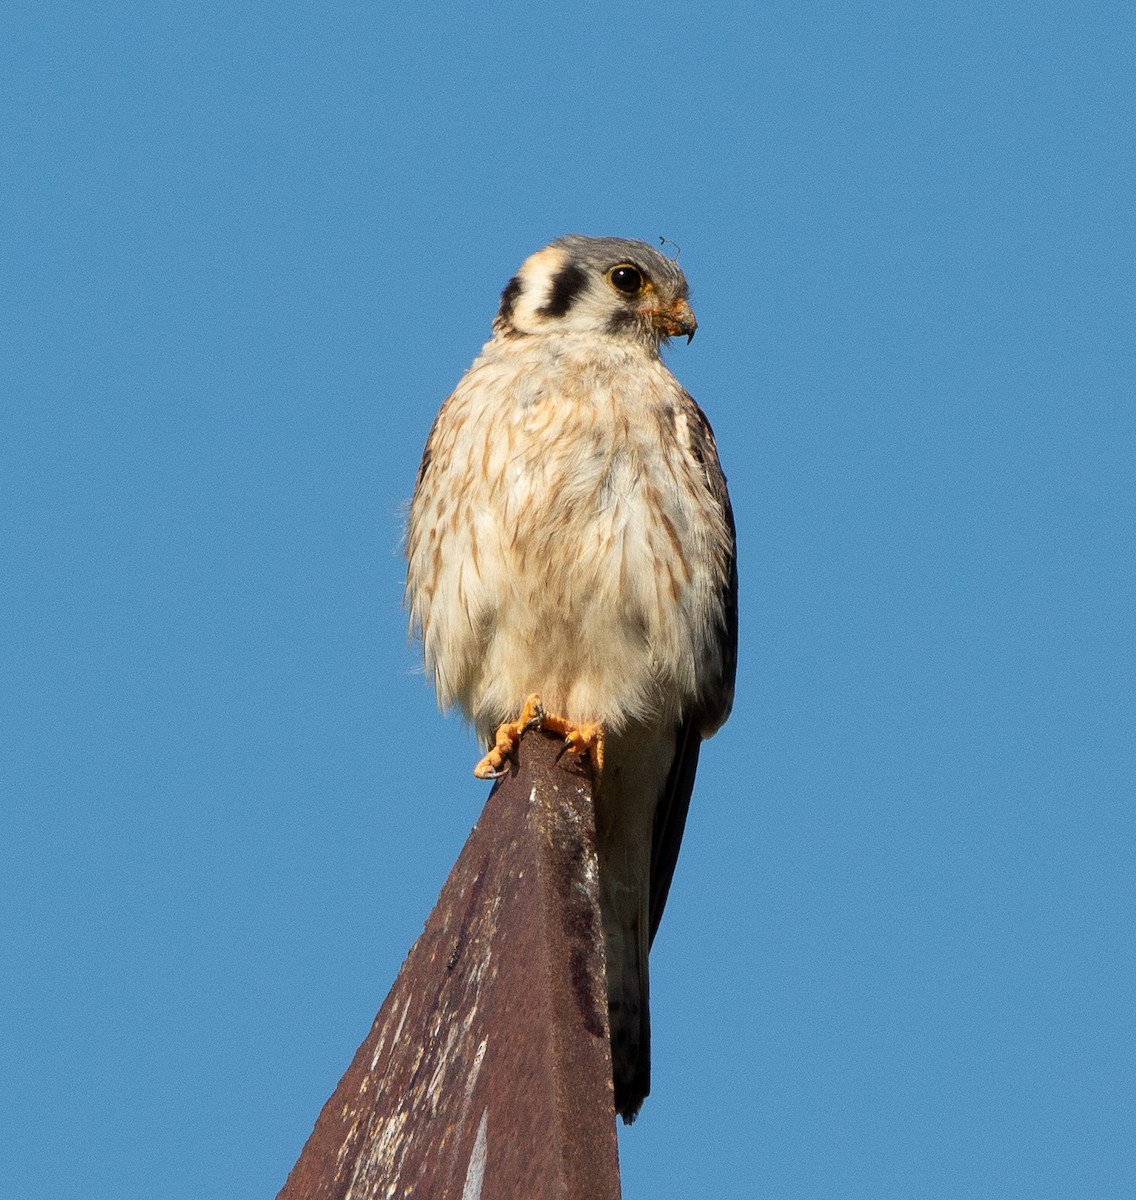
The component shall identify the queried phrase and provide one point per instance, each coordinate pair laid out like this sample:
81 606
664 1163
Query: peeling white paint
471 1082
475 1068
475 1173
401 1021
384 1159
383 1035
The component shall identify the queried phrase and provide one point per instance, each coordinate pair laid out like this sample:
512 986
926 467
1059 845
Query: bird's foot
579 739
587 738
508 738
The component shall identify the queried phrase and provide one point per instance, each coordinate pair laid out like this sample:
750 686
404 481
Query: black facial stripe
508 300
566 286
621 320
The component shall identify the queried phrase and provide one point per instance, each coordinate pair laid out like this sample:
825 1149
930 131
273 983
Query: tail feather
635 774
629 1013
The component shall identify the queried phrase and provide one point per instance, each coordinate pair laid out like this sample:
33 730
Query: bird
572 563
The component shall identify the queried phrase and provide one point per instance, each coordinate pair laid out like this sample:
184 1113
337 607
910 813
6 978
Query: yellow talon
508 738
578 739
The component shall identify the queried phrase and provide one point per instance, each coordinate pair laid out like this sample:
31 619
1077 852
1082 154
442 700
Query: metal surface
487 1072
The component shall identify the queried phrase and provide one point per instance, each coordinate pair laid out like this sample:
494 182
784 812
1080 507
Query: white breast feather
552 552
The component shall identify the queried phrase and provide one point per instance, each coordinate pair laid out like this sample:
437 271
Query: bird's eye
626 279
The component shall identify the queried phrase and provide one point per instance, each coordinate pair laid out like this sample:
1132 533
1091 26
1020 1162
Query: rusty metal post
487 1072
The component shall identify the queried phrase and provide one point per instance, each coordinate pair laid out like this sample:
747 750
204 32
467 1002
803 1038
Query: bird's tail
633 778
629 1014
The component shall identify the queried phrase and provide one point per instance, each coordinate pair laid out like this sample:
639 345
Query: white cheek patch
537 274
543 264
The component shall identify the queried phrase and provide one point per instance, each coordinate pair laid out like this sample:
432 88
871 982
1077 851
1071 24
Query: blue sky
249 248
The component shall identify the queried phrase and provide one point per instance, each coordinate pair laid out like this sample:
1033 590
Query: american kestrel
571 562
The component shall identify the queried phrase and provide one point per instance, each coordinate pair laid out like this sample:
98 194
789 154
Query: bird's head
611 286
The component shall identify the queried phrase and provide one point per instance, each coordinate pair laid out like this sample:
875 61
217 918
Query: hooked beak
675 319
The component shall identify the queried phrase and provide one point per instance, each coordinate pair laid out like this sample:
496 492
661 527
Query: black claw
564 749
536 721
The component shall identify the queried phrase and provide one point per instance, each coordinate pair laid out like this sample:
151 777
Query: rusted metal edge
487 1072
